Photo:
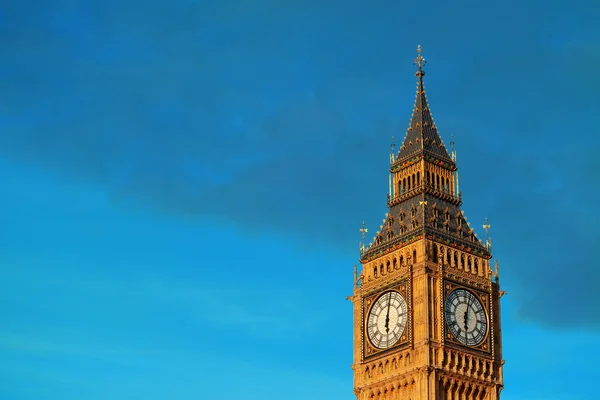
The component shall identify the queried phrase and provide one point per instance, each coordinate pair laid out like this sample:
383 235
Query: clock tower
426 301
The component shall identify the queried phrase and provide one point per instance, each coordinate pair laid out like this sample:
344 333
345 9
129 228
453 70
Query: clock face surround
465 317
387 320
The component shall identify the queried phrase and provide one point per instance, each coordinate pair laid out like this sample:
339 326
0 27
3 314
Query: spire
422 135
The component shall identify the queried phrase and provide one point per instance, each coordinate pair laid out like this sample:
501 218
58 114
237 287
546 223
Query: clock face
387 320
465 317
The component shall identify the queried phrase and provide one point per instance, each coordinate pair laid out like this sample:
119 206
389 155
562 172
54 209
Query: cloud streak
245 114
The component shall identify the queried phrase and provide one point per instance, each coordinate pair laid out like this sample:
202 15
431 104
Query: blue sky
183 183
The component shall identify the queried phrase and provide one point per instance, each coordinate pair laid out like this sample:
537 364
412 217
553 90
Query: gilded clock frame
369 350
486 344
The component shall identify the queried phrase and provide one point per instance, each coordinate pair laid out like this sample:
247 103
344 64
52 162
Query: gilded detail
426 292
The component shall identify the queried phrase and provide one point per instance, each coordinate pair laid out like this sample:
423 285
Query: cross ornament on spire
420 61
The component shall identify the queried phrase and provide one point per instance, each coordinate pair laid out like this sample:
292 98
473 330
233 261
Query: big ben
426 301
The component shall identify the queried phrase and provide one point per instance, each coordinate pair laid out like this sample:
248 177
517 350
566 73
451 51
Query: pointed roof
422 135
424 215
425 210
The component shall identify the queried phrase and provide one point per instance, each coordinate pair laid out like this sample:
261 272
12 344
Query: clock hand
387 317
466 321
470 304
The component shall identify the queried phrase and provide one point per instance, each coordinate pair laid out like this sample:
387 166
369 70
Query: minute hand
387 317
469 308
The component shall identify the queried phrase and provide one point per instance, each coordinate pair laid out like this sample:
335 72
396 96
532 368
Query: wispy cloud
287 132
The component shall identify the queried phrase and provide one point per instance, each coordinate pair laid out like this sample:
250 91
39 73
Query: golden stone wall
429 366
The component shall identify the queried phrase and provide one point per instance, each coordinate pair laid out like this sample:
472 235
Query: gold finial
420 61
363 230
488 241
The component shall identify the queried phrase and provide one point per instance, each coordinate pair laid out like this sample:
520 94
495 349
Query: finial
487 226
496 276
452 147
363 230
420 61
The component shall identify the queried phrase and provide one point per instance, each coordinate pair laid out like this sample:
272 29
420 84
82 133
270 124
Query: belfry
426 301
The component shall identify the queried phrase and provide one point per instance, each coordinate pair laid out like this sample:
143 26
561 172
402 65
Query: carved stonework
426 251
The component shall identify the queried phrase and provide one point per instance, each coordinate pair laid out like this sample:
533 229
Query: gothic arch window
437 181
435 252
414 256
447 256
381 269
418 178
375 271
462 261
387 266
413 211
401 260
469 263
476 266
395 263
456 259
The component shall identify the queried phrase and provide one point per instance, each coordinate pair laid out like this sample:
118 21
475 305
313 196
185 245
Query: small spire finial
488 241
452 147
363 230
496 276
420 61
